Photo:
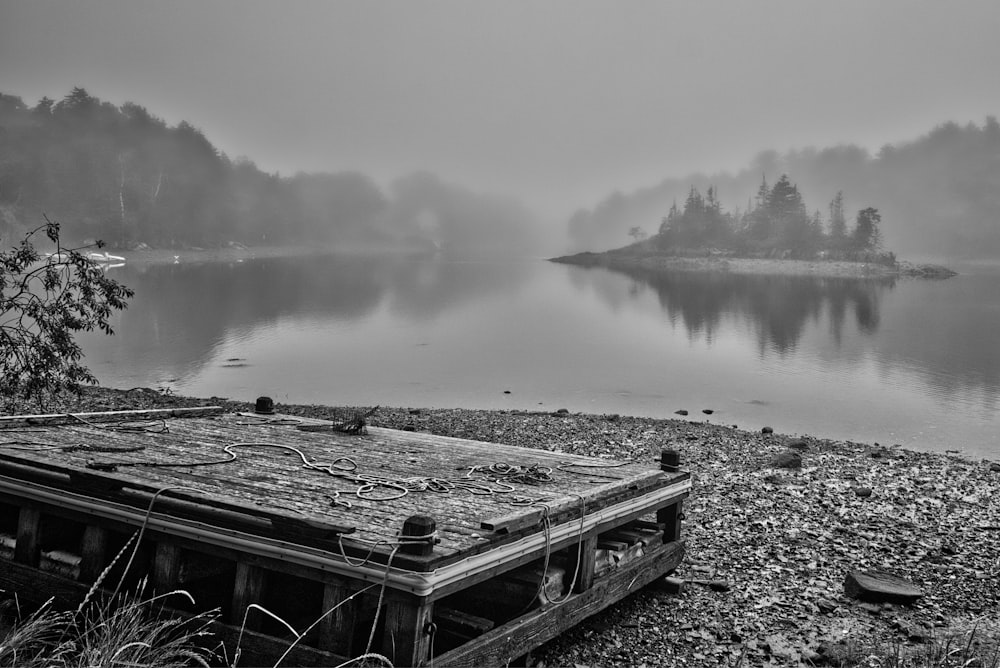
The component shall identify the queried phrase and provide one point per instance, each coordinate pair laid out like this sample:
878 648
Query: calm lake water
910 362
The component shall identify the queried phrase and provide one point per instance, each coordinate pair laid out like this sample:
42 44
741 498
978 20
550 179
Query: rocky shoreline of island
776 523
629 259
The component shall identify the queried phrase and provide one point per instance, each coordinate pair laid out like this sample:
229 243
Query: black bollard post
421 528
670 461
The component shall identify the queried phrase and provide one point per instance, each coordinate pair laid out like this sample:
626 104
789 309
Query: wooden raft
288 513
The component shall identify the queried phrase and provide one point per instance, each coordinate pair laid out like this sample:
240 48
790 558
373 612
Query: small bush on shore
44 303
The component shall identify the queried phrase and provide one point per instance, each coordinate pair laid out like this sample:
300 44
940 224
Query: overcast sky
556 102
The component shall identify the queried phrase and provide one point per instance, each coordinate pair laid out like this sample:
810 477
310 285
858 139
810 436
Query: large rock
878 587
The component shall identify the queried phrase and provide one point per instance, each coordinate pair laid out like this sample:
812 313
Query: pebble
826 605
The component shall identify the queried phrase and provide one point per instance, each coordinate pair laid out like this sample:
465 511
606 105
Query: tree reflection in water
776 308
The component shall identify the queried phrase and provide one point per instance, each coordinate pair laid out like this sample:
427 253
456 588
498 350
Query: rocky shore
776 523
621 259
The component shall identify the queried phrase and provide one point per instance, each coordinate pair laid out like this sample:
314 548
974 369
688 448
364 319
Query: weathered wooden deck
294 495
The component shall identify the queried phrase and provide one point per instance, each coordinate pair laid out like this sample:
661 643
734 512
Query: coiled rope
493 479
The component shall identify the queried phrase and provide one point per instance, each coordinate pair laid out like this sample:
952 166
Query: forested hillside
120 174
939 195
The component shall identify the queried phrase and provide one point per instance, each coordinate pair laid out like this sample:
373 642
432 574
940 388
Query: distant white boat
105 257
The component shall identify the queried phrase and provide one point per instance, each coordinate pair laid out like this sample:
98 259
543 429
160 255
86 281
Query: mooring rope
492 479
547 529
148 426
255 419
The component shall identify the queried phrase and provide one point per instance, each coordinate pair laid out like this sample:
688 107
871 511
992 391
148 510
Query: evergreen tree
866 236
838 223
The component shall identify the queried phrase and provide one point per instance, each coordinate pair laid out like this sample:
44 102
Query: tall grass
120 630
973 649
124 630
37 640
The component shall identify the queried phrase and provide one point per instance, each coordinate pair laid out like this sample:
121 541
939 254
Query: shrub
44 302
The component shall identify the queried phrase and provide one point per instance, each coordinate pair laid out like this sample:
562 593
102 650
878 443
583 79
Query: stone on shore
789 459
826 605
878 587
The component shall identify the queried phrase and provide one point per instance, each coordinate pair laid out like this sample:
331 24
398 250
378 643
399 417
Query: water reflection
906 361
182 313
776 309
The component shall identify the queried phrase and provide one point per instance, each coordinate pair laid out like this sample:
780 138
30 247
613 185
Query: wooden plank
444 590
28 548
599 497
505 643
670 517
214 552
582 560
461 623
106 416
166 567
247 588
259 649
199 504
265 483
407 638
336 630
93 552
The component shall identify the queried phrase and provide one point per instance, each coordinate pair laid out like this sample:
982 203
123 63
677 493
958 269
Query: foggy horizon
557 105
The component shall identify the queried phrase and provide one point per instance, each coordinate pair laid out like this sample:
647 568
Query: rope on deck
485 480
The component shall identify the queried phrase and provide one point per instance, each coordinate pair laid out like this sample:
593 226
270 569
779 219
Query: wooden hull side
484 580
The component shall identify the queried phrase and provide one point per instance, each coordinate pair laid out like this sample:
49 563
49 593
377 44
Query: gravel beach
777 532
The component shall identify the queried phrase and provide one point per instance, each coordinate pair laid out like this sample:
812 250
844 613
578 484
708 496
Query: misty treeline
120 174
938 195
775 224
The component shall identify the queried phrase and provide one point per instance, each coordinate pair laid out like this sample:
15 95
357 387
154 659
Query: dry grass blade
104 574
318 620
128 630
363 661
37 640
243 626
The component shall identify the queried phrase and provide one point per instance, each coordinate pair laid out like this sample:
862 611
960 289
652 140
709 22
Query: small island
774 235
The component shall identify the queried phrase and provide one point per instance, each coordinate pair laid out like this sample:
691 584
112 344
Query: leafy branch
45 300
